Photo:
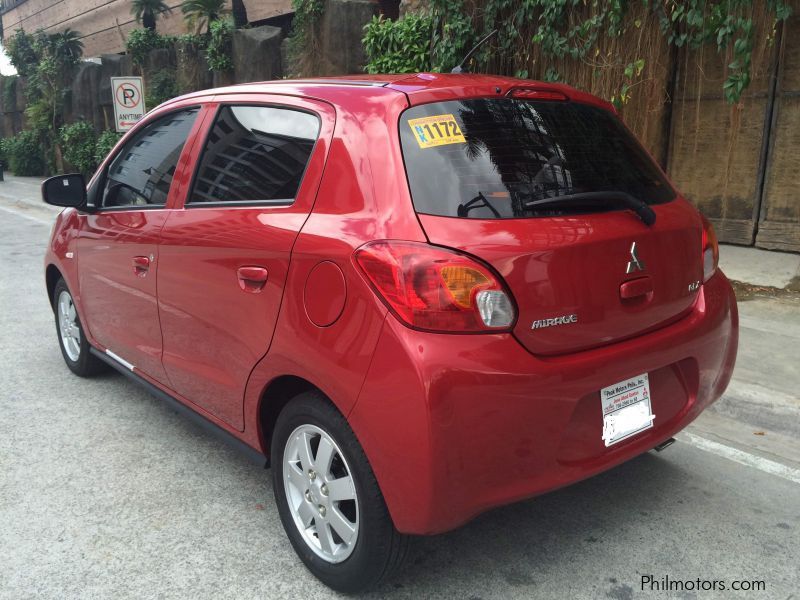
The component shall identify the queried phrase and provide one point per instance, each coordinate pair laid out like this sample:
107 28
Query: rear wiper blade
644 212
478 201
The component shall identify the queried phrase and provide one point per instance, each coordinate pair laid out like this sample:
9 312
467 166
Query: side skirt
251 453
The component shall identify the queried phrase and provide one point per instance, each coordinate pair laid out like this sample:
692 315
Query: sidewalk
760 267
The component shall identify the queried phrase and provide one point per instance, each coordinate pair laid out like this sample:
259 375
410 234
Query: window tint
255 153
489 158
141 173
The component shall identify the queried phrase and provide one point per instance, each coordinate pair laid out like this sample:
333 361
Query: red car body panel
451 424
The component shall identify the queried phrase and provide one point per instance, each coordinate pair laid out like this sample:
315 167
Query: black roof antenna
463 66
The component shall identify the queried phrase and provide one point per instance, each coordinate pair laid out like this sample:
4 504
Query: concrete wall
105 25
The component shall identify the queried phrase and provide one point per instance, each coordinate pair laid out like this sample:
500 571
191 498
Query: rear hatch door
584 273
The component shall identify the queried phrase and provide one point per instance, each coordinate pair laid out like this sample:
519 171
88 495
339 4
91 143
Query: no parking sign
128 93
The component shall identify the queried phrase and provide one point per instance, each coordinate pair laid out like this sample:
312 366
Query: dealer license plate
626 409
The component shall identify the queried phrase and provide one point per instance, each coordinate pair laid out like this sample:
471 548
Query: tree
65 47
147 12
200 13
56 54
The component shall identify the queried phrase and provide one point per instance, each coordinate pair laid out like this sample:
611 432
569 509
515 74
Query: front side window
492 158
255 153
141 174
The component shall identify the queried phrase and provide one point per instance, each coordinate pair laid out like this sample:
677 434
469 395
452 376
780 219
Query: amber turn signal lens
461 282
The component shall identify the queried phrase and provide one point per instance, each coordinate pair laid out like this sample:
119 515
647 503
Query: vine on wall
568 39
304 46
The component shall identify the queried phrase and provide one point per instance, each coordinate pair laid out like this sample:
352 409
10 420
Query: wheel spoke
325 537
71 312
306 513
304 451
343 527
297 478
324 456
341 489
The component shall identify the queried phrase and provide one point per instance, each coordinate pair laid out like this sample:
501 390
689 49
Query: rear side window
141 174
488 158
255 154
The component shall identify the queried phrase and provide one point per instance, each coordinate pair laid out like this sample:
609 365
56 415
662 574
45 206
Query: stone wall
13 119
105 25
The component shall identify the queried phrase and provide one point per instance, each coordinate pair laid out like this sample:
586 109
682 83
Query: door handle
141 265
252 279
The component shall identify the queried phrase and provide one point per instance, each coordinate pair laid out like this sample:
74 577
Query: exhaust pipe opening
664 445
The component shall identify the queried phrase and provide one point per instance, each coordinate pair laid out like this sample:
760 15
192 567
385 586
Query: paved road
106 493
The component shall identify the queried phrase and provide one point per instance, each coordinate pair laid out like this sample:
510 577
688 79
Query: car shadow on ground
584 531
521 544
527 542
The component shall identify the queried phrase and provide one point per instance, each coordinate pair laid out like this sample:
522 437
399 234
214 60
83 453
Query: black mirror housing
65 190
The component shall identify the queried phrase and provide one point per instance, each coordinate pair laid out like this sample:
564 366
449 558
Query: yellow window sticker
438 130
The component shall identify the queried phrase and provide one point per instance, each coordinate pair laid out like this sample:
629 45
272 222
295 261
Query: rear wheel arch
278 393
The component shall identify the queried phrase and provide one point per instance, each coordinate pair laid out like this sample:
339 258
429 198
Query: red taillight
436 289
710 250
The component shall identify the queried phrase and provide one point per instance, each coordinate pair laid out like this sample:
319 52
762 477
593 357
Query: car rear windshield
490 158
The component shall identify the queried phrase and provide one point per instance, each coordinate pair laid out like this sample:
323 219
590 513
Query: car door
118 243
224 258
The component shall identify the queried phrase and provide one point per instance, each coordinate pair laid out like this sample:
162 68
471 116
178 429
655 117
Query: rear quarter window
486 158
255 154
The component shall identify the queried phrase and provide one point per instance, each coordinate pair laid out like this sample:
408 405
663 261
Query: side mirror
65 190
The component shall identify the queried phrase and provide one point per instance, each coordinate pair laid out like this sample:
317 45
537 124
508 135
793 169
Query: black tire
85 364
379 549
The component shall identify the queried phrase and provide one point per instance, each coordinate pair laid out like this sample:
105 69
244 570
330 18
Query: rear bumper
455 425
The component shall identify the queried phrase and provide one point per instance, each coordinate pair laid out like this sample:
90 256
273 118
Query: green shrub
401 46
163 86
105 143
23 154
141 41
220 45
78 141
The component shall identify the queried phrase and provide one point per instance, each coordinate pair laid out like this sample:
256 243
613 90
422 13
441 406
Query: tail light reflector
436 289
710 250
534 94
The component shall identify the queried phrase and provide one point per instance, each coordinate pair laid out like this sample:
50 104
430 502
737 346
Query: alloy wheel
321 493
68 328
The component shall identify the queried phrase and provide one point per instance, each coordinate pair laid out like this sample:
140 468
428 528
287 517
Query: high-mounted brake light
533 94
710 250
436 289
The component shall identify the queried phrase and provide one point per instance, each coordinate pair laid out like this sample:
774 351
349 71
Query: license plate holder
626 409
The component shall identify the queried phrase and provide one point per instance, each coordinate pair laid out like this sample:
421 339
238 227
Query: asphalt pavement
107 493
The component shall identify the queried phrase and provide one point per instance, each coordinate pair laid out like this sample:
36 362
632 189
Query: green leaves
547 31
141 41
78 140
401 46
220 45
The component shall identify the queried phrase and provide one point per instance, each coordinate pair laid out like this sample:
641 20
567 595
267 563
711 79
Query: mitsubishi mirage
418 297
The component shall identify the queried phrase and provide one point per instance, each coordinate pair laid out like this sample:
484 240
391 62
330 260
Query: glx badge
634 264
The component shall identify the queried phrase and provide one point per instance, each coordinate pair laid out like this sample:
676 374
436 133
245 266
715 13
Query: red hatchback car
420 296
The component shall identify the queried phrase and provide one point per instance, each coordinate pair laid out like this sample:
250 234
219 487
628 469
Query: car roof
420 88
